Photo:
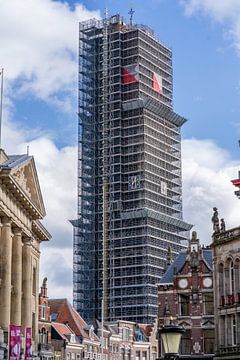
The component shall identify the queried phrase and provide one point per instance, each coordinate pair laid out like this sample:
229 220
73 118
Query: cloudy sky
38 51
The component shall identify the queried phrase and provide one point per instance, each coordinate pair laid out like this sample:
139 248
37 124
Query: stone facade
21 208
186 293
226 260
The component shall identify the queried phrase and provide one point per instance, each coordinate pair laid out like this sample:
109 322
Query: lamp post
171 337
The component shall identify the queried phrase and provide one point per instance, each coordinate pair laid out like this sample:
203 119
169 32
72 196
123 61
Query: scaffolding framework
129 177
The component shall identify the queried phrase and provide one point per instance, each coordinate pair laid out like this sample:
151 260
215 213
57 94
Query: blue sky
39 46
206 74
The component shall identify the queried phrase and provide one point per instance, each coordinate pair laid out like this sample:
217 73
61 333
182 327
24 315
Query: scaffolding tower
129 171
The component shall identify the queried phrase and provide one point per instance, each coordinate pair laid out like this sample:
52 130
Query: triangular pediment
26 178
208 323
184 323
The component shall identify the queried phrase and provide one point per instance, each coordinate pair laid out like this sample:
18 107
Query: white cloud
227 11
39 45
57 172
207 171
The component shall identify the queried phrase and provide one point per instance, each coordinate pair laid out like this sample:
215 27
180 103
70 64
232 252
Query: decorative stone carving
215 221
22 180
223 226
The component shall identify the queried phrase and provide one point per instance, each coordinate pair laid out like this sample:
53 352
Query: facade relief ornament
22 181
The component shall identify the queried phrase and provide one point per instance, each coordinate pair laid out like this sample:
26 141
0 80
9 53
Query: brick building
44 324
186 292
128 340
226 260
76 330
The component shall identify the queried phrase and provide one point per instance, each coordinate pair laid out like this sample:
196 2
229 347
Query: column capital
26 240
6 221
16 231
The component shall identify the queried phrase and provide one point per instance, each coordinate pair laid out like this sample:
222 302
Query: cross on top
131 12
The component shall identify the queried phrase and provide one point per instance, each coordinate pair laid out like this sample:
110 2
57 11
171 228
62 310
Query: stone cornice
22 198
40 231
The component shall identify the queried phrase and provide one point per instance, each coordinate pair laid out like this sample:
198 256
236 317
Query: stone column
16 300
26 285
6 254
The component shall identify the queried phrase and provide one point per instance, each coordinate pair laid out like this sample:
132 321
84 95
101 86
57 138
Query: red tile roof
62 329
65 312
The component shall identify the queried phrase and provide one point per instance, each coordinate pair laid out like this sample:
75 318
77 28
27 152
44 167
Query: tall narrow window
183 304
234 331
44 311
34 280
232 280
208 304
208 341
221 285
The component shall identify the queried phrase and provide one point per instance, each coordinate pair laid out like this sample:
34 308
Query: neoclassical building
21 232
226 262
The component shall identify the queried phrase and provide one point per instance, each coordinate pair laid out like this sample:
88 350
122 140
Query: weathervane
131 12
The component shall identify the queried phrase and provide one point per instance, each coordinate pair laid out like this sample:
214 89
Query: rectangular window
208 341
234 330
185 345
183 303
137 355
34 280
144 355
126 334
208 304
154 356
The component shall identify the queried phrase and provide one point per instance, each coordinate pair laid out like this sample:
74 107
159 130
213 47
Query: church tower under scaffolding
129 180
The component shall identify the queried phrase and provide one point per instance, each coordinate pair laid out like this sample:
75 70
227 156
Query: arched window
43 315
42 336
221 284
237 279
232 278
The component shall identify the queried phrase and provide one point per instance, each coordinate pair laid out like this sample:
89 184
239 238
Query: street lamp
171 337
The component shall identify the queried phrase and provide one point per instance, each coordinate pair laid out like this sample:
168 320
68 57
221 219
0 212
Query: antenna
1 107
131 12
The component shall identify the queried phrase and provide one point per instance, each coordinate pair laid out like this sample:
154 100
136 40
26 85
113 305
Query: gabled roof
207 256
14 161
21 172
63 330
179 262
64 312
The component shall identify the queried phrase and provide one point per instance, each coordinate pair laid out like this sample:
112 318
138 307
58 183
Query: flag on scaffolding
130 74
157 83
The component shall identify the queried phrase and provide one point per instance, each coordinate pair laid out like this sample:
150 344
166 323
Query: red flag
130 74
157 83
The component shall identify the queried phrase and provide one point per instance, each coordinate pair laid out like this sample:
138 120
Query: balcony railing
230 300
229 349
44 347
